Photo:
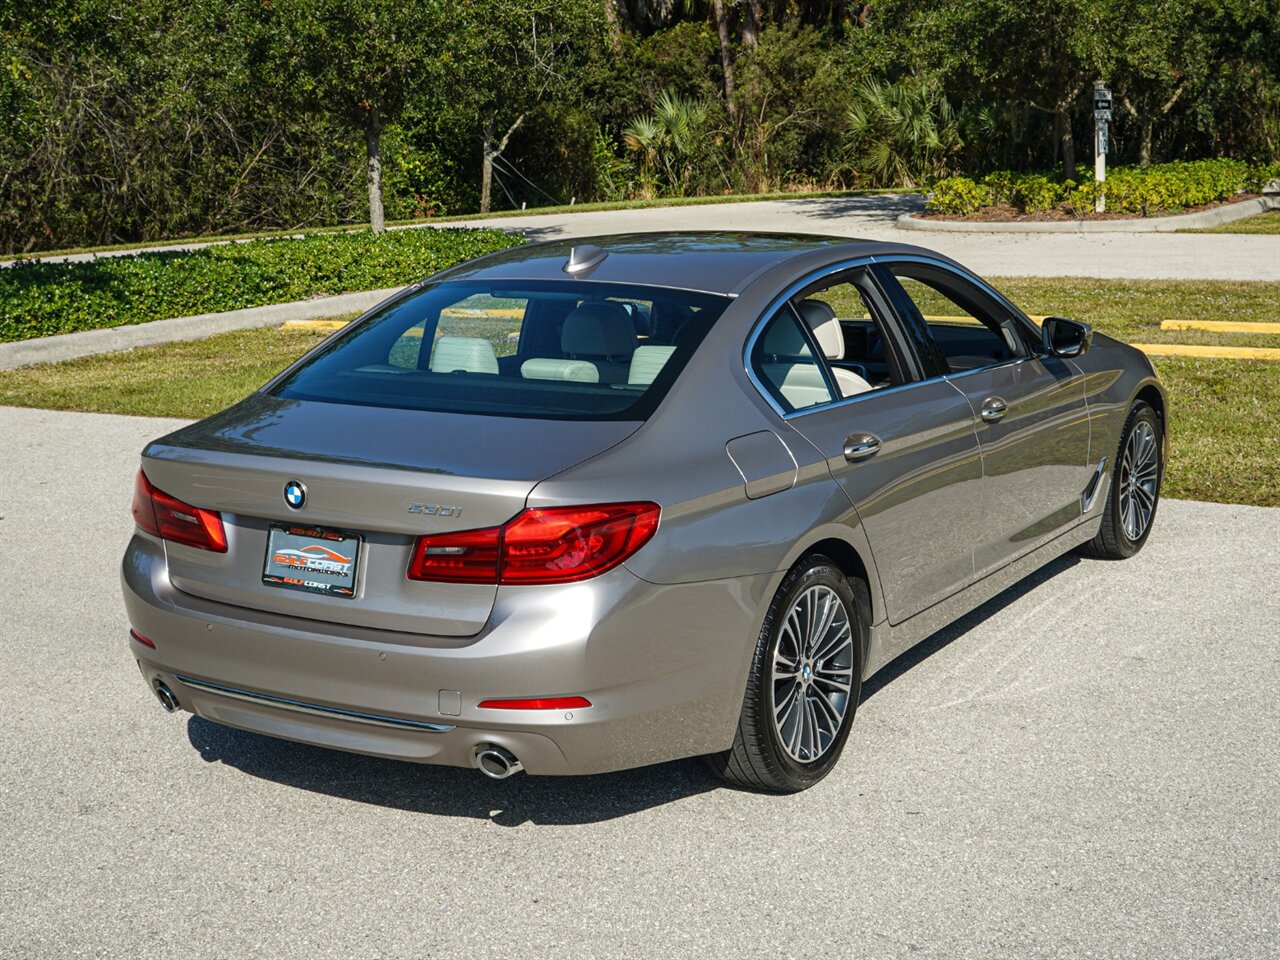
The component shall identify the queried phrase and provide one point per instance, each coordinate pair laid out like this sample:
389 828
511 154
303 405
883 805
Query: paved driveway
1087 767
1128 255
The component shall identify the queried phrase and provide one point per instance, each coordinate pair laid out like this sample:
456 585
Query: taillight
169 518
467 557
546 545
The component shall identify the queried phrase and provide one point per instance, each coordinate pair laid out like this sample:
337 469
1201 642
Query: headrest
465 354
598 328
826 328
783 338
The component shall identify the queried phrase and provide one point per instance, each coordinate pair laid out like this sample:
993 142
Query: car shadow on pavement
881 208
455 792
954 631
451 791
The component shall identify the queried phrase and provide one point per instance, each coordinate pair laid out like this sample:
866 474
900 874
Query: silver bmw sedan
576 507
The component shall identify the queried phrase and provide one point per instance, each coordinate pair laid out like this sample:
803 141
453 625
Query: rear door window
547 349
784 362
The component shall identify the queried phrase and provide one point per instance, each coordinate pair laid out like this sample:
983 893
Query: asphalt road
1086 767
1176 256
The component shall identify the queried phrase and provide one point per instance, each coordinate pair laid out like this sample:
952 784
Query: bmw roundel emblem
295 494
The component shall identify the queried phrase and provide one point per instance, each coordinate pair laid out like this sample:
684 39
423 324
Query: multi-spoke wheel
812 674
804 684
1135 487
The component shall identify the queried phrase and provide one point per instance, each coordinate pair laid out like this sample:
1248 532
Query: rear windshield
565 350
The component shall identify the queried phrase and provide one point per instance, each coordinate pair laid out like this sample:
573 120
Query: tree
903 134
361 61
664 140
1041 54
726 56
507 57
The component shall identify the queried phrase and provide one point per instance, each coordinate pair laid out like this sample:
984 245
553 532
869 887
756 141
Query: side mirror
1065 338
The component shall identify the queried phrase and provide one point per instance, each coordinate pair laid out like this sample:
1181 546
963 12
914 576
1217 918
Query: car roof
711 262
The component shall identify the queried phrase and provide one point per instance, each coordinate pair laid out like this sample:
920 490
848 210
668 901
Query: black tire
758 760
1113 541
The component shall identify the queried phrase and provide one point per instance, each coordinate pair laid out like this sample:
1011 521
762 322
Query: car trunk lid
384 475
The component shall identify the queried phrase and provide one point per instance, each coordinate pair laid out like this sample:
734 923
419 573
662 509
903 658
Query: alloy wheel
812 674
1139 480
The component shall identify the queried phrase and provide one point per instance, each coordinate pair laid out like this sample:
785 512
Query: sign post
1101 140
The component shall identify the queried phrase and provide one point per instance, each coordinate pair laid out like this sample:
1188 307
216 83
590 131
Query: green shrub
1163 188
1000 185
958 196
38 299
1078 198
1035 192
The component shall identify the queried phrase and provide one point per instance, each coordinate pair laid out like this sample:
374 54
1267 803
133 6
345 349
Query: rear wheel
804 684
1135 487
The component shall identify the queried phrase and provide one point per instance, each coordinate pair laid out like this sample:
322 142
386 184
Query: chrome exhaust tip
166 697
497 763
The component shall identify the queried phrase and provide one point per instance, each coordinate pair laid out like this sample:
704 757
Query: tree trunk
1068 141
1144 148
753 15
373 150
614 25
491 153
726 56
486 170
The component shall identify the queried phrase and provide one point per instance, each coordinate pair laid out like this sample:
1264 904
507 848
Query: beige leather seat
647 362
463 355
821 319
597 336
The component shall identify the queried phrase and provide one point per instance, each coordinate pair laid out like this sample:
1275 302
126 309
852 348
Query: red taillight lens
538 703
562 544
168 517
470 556
549 545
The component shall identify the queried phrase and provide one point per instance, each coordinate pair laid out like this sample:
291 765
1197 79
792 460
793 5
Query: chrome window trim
768 313
823 273
315 709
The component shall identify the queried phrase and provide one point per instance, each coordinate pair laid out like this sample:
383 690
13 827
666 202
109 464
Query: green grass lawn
1225 429
1268 222
1131 310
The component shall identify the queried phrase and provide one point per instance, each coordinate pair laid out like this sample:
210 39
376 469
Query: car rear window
566 350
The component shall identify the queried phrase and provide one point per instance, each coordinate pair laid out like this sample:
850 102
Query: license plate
312 559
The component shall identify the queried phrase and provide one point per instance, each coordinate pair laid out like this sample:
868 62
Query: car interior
543 348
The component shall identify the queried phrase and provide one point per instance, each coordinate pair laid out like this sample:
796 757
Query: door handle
859 446
993 409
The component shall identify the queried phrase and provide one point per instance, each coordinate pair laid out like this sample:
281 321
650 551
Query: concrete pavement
1125 255
1086 767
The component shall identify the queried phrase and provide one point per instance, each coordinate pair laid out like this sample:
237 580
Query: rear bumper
663 666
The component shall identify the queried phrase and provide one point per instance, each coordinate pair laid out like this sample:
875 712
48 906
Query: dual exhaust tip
493 761
496 762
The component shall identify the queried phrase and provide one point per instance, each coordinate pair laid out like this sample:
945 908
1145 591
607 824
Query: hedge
1161 188
38 299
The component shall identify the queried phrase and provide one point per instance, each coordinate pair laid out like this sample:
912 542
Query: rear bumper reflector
141 639
539 703
299 706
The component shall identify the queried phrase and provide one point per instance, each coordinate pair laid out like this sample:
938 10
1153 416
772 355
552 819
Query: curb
1214 353
69 346
1183 221
1222 326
